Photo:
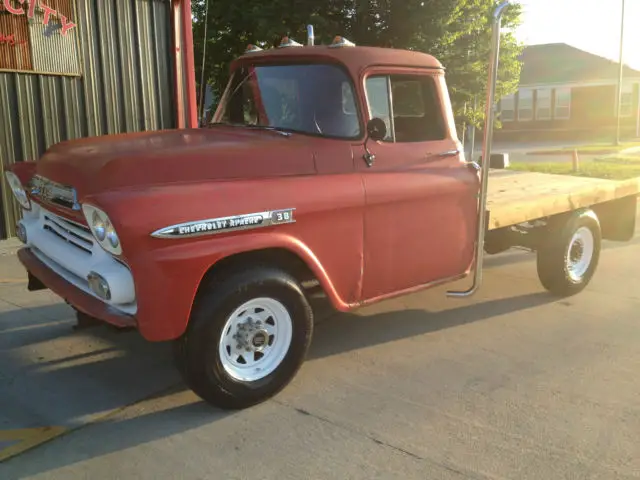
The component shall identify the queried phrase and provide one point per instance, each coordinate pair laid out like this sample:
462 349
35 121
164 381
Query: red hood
97 164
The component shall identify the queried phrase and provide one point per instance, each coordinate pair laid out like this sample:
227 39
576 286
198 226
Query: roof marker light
311 38
288 42
339 42
253 48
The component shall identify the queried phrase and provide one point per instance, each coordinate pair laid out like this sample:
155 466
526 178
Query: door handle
449 153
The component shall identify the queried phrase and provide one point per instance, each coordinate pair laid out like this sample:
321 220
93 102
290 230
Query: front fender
167 280
327 234
23 170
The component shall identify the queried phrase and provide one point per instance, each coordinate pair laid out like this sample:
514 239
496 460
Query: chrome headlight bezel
102 229
18 190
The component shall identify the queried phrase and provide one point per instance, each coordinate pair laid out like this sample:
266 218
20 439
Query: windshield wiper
282 131
228 124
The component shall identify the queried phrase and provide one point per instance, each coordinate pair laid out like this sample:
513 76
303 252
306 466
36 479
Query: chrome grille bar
73 233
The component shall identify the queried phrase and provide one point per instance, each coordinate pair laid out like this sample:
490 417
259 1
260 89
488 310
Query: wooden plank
517 197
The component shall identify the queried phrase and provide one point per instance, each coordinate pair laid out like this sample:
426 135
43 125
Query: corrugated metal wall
125 82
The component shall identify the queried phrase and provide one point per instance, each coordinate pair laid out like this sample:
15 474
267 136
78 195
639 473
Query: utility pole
619 102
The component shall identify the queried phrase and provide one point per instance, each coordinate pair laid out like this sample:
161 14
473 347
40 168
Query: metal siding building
115 72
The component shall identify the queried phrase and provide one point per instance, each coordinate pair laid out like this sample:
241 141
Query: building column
184 74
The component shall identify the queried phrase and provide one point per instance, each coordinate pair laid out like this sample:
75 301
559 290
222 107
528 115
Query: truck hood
97 164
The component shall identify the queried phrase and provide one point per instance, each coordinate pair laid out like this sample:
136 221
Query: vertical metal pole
486 153
464 128
473 131
619 102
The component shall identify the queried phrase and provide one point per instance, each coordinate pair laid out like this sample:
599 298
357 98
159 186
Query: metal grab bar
486 154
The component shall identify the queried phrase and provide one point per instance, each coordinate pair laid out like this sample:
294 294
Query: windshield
316 99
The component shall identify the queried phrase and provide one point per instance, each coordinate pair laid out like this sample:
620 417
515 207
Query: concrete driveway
511 384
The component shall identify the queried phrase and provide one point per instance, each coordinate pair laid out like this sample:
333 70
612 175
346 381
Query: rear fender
618 218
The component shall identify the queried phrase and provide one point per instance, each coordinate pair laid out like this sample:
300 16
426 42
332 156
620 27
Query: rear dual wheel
248 336
569 255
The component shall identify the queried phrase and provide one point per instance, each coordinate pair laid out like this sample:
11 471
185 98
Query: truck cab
418 195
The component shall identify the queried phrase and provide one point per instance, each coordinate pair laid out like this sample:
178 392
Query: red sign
10 40
16 7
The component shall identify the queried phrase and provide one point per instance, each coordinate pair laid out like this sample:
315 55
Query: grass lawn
607 170
595 149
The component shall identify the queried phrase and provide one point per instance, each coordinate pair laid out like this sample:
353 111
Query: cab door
421 198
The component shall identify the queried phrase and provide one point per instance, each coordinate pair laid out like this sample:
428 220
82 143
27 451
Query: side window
379 105
414 113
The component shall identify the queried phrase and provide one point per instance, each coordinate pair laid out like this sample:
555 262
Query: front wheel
569 256
248 337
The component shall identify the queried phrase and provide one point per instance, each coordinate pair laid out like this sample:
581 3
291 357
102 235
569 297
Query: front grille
73 233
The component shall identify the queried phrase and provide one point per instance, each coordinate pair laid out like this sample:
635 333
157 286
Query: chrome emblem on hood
53 192
226 224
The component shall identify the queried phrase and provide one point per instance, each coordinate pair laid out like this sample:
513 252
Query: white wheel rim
580 253
255 339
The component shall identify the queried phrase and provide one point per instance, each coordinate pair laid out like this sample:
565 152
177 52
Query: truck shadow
514 256
339 333
127 369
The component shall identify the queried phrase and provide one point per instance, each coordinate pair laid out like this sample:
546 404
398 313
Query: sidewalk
9 247
632 153
12 272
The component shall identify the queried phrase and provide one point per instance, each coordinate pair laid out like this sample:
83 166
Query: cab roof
354 58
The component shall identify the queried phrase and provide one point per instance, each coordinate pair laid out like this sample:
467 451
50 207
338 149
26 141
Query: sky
591 25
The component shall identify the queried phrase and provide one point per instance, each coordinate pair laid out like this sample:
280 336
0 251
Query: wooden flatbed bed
517 197
562 218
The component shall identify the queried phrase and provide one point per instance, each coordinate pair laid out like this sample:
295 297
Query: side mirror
376 129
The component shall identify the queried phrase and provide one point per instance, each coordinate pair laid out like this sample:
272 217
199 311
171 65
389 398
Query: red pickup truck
333 164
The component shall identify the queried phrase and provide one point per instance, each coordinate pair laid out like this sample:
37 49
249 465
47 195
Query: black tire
553 255
197 353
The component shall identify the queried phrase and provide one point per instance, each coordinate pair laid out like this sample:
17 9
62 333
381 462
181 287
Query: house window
409 105
626 103
563 104
525 105
507 108
543 104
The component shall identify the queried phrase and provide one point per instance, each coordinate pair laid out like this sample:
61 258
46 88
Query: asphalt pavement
511 384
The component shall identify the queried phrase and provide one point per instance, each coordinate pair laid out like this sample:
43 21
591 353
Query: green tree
235 24
457 32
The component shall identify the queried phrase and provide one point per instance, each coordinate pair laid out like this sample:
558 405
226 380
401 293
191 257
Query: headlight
18 190
98 226
102 229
